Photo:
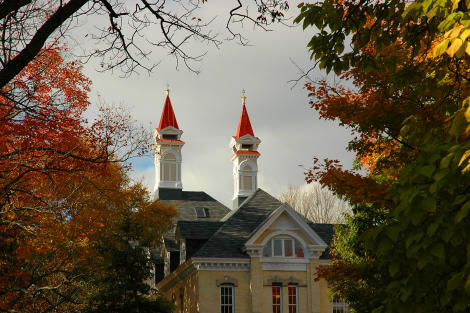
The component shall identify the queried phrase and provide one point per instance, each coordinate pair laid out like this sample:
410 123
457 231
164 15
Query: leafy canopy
406 248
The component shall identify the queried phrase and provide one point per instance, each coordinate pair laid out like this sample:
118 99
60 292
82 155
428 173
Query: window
247 147
227 299
293 298
171 137
277 299
202 212
284 247
339 306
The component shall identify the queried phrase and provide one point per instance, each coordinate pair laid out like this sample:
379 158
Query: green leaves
420 245
463 212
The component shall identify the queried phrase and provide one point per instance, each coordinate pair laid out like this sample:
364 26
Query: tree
315 203
121 40
116 268
406 247
61 186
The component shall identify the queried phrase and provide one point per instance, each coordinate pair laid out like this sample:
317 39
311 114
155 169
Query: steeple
168 115
244 125
168 156
245 156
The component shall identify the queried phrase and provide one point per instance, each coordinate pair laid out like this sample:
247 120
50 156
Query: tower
168 154
245 158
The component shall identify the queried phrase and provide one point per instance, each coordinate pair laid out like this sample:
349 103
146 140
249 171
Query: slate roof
326 232
228 241
189 200
185 204
197 229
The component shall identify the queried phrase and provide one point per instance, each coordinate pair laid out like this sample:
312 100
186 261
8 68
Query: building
259 257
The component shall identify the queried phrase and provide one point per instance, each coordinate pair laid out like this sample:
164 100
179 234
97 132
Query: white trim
284 267
222 264
315 248
296 298
169 130
176 153
232 287
280 233
250 163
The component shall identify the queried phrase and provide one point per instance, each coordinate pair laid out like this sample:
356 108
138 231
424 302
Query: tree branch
29 52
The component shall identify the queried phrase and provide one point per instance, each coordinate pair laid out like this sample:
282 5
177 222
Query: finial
243 96
167 89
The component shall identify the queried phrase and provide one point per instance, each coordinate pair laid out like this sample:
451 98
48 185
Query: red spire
244 125
168 116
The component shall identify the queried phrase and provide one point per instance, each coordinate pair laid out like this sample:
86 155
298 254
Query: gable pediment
284 221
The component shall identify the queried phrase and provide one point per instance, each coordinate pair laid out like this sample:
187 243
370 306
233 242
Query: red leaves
60 185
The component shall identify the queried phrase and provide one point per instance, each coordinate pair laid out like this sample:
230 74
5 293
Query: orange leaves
352 186
61 188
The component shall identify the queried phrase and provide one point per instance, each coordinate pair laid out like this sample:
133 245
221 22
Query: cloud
207 107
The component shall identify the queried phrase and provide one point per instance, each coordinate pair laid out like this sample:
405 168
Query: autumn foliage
405 248
62 189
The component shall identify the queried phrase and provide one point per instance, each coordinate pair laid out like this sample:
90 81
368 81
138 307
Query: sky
208 106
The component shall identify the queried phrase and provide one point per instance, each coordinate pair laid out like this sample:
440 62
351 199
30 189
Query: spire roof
244 125
168 115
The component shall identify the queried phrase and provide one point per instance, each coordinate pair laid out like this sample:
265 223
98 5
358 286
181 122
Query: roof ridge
233 218
232 212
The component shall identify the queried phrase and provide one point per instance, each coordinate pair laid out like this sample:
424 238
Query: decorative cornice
253 251
291 267
208 264
315 251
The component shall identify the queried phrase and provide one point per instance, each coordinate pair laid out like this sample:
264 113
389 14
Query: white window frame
296 304
280 296
283 254
339 306
223 306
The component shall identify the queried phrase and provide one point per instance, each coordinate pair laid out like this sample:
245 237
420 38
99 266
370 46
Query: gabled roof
244 125
168 116
296 217
229 239
240 224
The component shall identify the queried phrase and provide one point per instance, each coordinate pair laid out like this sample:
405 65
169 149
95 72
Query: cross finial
167 89
243 96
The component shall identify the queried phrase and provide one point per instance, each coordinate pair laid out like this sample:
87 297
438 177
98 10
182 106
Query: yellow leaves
455 4
467 114
454 47
464 161
454 42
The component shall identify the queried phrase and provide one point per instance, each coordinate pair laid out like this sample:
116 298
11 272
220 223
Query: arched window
169 167
286 247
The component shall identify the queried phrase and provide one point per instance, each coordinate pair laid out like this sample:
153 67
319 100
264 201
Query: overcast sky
208 105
